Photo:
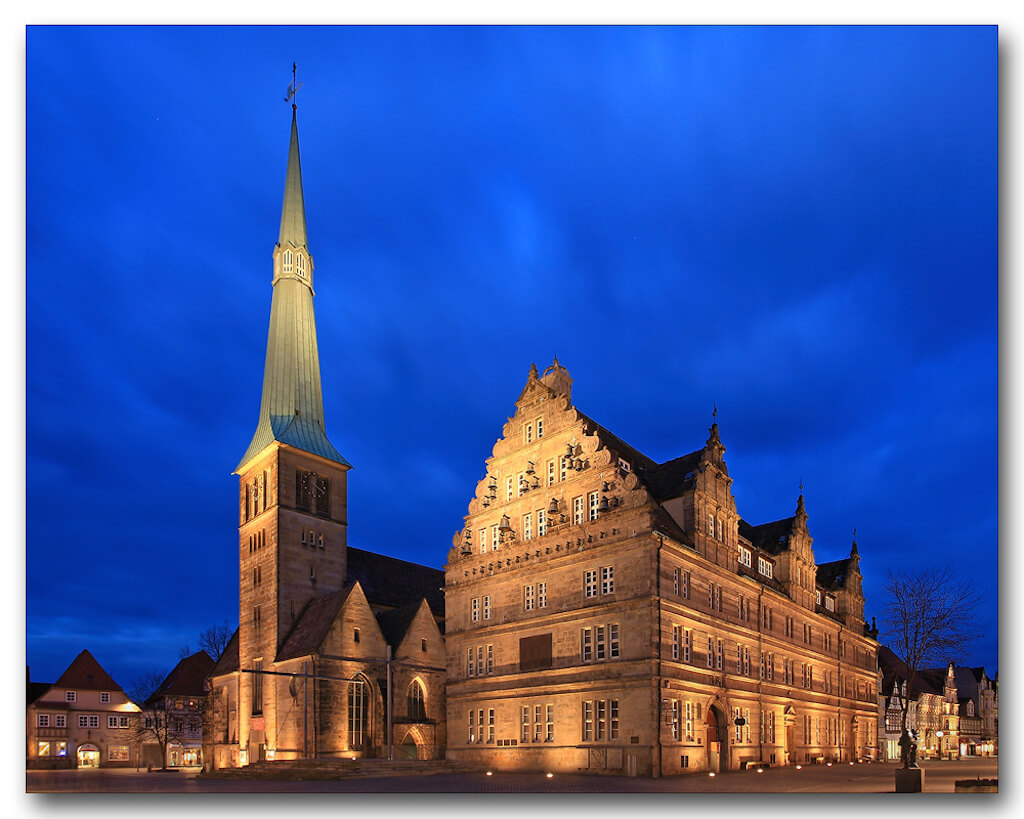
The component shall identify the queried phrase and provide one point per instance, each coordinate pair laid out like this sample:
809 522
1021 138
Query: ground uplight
799 767
550 775
712 773
488 773
760 770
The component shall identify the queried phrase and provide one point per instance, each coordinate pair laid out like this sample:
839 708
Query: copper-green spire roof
292 408
293 212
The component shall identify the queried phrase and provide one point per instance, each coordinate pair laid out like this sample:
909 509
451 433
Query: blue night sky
796 224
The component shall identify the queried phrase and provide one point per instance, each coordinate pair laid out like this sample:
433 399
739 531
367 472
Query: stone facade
611 614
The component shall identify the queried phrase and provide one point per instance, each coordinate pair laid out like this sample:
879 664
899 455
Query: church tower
293 506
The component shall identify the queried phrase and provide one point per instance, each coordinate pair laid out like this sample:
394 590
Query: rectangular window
542 595
718 598
577 509
540 427
487 607
60 721
590 583
675 582
124 722
711 525
593 505
490 725
711 653
528 598
549 727
529 433
675 642
495 537
745 557
542 523
117 753
599 643
686 585
613 640
601 720
764 566
718 527
687 645
739 659
508 488
70 696
479 660
588 720
563 467
521 483
490 659
480 725
111 722
674 718
613 719
483 541
736 717
746 661
472 725
607 579
528 526
720 655
830 603
94 721
104 696
769 664
257 687
551 473
470 665
43 749
538 725
474 610
789 627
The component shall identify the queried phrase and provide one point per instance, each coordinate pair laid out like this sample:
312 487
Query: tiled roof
612 441
395 623
35 690
228 661
771 538
833 575
669 480
315 621
389 582
894 669
187 679
86 674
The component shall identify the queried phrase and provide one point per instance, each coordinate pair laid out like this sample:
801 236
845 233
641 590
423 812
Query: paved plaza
861 778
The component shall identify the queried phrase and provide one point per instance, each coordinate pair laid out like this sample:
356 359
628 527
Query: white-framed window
607 579
674 718
739 659
43 720
676 640
471 738
529 433
300 264
479 660
490 659
483 541
588 720
104 696
613 719
542 595
123 722
521 483
495 537
528 526
613 640
540 427
599 642
745 556
689 721
817 596
490 725
770 666
551 472
719 655
600 646
718 528
590 583
764 566
112 722
593 505
508 488
675 582
286 262
528 598
60 721
474 610
746 726
711 653
524 724
746 661
470 665
549 723
70 696
577 509
542 523
487 607
737 715
587 645
538 725
687 645
563 467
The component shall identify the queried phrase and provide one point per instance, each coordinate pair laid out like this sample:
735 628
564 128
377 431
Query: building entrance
88 756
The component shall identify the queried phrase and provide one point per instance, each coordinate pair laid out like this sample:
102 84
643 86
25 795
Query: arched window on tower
300 265
416 710
286 262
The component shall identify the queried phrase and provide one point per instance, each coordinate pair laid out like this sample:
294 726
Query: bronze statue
908 748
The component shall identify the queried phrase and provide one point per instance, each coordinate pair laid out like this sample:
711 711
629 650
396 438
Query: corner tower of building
293 499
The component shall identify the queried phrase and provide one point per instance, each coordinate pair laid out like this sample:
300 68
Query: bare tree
931 619
215 639
155 724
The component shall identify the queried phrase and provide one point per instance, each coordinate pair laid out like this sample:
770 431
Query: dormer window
830 603
817 596
745 557
764 566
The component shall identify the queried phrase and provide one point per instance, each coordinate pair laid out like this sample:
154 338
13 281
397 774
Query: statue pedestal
909 780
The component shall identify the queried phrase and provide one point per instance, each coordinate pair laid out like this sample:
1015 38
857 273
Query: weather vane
293 89
714 411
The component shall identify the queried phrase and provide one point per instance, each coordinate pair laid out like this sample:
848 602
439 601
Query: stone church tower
292 483
339 651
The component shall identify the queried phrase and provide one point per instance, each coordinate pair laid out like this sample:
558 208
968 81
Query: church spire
293 211
291 409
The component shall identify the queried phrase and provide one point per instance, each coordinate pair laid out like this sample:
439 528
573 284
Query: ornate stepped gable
627 479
